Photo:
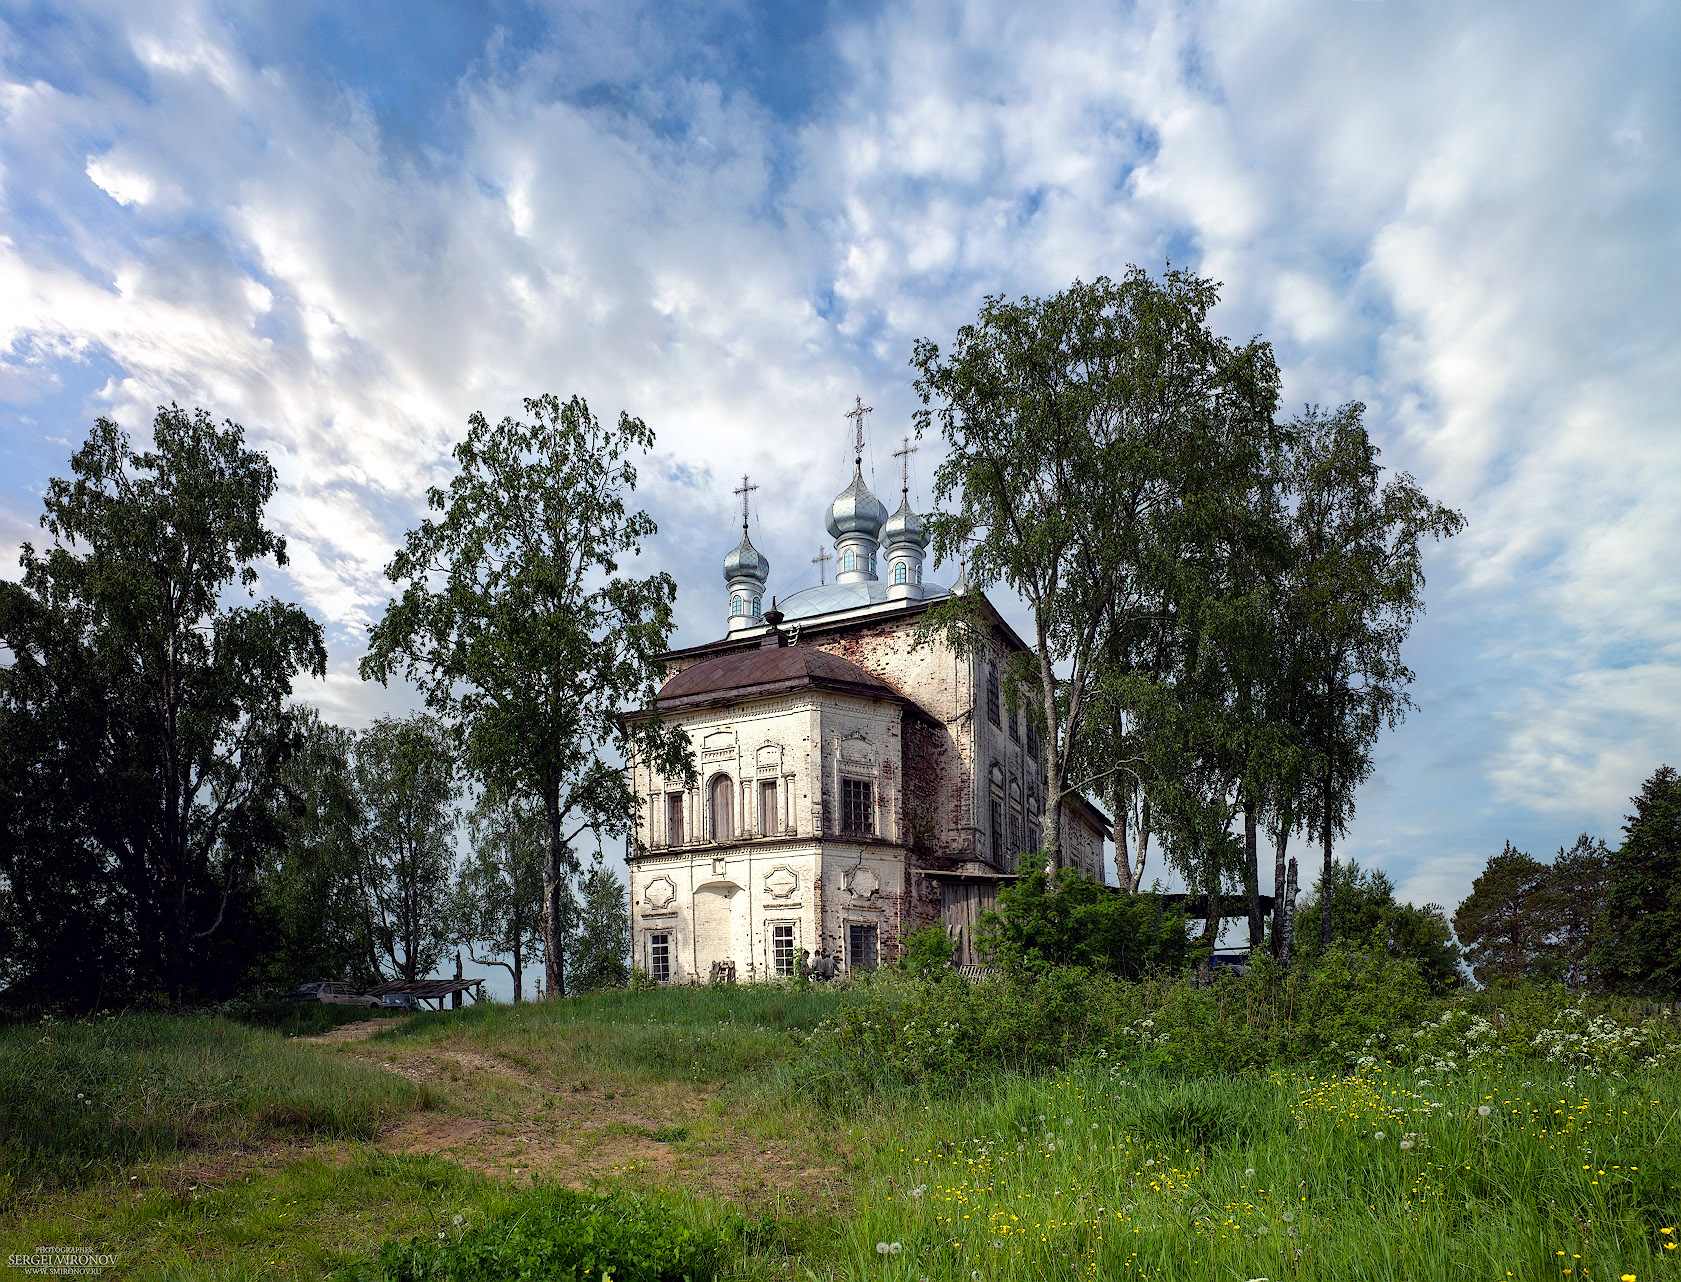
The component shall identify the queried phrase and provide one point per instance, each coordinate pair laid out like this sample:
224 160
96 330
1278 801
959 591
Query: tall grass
82 1098
1290 1175
693 1035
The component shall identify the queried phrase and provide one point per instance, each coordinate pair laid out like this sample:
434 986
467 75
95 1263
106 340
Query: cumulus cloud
1464 220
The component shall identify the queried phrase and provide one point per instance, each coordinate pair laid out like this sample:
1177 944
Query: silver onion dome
855 510
746 562
905 528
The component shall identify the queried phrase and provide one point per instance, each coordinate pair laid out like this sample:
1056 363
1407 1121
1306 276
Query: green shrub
556 1233
927 951
1072 920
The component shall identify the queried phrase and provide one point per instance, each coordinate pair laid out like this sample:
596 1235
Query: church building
851 788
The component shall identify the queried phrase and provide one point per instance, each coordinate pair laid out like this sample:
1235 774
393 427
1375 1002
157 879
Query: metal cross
744 491
821 561
856 413
905 467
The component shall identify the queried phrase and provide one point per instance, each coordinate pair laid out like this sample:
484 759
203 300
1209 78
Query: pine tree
1640 949
1506 921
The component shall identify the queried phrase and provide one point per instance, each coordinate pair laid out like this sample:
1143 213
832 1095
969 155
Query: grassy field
444 1145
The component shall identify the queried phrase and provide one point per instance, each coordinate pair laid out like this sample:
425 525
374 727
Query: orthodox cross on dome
905 467
856 414
744 491
821 561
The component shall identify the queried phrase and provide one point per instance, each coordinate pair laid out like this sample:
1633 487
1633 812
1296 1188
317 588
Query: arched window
919 574
848 561
723 808
899 575
735 604
755 607
872 556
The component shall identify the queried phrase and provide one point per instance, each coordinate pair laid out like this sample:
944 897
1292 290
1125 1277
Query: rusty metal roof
423 987
785 666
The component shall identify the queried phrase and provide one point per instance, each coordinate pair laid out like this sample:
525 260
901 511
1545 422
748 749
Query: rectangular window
998 831
1015 834
992 693
767 808
861 945
782 948
857 806
659 958
1015 726
674 819
1032 740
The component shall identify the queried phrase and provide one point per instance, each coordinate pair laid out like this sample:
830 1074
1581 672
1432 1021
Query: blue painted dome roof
842 596
855 510
746 562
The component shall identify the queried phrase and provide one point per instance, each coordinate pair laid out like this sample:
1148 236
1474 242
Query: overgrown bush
1070 920
558 1234
927 951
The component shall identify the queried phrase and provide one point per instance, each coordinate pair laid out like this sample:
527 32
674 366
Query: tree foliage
526 638
406 780
136 673
1367 915
1081 431
1043 921
1640 948
600 956
499 895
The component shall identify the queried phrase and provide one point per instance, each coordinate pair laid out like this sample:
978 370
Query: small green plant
927 951
556 1233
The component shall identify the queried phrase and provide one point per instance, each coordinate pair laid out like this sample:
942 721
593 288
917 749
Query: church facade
852 787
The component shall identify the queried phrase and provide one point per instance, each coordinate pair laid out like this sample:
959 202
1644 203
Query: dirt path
497 1117
357 1032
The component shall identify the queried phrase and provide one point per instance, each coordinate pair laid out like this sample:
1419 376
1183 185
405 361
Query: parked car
332 994
400 1001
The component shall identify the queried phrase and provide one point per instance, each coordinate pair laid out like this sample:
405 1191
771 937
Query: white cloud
1466 222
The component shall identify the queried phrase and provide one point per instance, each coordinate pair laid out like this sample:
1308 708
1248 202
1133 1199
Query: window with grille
861 945
1015 726
858 806
1032 738
767 808
1015 834
659 958
848 560
674 819
992 693
899 572
735 604
782 948
1035 839
998 831
756 601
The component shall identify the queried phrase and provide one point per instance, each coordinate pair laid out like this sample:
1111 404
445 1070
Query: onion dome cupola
855 520
746 570
904 541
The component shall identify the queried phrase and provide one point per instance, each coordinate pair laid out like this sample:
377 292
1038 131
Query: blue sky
349 226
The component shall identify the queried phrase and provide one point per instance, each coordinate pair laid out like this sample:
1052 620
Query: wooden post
455 997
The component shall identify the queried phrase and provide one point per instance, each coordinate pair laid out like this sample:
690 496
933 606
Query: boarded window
723 808
659 958
782 948
992 693
861 945
857 806
767 808
674 818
